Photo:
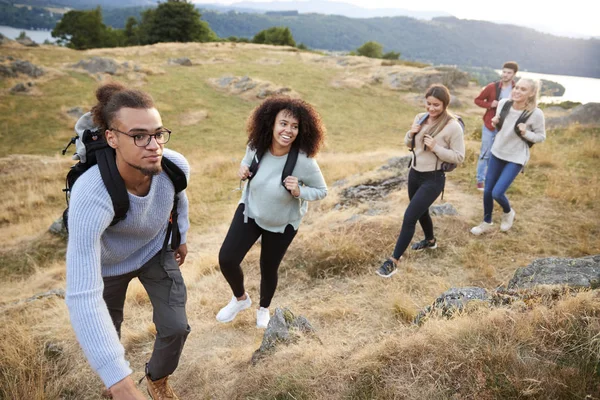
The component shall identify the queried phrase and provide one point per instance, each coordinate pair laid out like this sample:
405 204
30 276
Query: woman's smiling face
285 130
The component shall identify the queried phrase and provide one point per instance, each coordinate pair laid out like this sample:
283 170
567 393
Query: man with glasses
103 256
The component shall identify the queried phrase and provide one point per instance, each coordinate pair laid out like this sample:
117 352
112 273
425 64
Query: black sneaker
424 244
387 269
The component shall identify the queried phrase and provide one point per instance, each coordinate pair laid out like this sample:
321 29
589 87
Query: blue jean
487 140
500 175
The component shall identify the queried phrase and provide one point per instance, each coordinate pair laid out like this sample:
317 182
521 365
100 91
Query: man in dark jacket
488 99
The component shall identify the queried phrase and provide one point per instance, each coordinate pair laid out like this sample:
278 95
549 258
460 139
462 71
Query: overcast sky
570 18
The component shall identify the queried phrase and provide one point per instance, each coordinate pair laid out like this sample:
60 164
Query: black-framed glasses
144 139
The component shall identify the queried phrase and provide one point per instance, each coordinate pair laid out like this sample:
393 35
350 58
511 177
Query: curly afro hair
311 131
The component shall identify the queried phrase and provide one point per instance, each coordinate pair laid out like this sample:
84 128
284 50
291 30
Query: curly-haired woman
272 206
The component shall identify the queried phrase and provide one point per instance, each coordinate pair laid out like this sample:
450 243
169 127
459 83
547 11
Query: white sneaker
482 228
228 313
262 317
507 220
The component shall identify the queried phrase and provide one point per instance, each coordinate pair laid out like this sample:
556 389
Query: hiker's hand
495 121
414 129
429 142
243 172
291 184
494 103
522 128
125 390
180 254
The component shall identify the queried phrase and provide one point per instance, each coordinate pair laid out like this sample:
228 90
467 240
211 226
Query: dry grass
546 346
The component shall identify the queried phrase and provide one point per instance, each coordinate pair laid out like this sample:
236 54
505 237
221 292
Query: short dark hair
114 96
511 65
311 131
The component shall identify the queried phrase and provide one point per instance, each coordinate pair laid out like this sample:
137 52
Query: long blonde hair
532 101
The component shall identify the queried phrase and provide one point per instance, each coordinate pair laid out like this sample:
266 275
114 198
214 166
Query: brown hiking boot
160 389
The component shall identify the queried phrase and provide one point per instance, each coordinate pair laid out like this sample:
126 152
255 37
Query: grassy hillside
544 347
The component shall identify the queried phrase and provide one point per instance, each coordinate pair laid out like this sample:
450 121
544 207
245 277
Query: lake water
36 36
583 90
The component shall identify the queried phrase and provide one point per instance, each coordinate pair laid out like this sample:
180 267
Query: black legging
423 189
240 238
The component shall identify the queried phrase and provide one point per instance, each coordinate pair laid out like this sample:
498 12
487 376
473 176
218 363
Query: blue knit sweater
96 249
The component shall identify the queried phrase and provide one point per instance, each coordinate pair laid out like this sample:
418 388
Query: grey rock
226 81
244 84
58 228
6 71
585 114
97 65
19 88
372 190
340 182
264 93
50 293
455 102
53 351
27 68
26 41
397 163
443 209
285 328
451 301
581 272
75 112
181 61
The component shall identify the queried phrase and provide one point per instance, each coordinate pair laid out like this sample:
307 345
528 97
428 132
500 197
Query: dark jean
423 189
500 175
239 240
168 296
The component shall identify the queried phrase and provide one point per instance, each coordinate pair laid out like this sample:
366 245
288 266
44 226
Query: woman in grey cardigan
272 205
522 126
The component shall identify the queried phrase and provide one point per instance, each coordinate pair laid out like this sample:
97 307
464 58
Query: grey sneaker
507 220
387 269
425 244
482 228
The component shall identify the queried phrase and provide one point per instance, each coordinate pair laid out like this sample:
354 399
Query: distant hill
322 7
86 4
443 40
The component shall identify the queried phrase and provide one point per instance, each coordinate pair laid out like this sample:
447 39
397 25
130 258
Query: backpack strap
498 90
255 163
521 120
114 183
503 113
290 163
179 180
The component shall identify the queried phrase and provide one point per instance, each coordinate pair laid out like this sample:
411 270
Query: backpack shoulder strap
290 163
114 183
255 162
498 90
175 174
503 113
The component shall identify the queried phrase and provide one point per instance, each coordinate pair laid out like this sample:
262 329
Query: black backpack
288 168
93 149
522 119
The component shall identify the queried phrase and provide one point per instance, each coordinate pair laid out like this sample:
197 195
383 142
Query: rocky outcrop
371 190
283 328
249 88
451 301
17 67
97 65
585 114
186 62
420 79
574 272
443 209
564 273
21 88
26 41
